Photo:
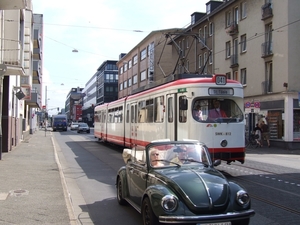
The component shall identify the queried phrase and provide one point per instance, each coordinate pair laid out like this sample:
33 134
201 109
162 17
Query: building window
143 54
235 75
135 59
200 61
211 29
244 10
125 84
200 35
269 77
243 43
125 67
121 69
129 64
143 75
205 34
129 82
210 57
228 19
121 86
244 76
208 9
135 79
228 75
111 77
228 50
236 15
204 62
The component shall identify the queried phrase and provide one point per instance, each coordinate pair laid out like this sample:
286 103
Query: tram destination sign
220 91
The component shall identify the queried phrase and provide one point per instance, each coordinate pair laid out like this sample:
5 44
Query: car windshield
178 154
83 125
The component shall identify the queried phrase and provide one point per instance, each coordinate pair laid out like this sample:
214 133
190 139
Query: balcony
36 73
266 49
267 11
234 61
232 29
35 101
12 57
13 4
36 45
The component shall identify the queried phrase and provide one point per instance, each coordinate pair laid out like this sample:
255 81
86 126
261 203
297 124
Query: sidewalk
31 188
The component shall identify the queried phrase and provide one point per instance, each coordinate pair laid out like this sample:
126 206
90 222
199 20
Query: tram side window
110 116
104 117
141 112
159 109
127 113
118 115
132 115
149 111
183 103
170 110
96 116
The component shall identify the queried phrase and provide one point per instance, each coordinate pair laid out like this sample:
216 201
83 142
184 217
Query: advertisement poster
27 92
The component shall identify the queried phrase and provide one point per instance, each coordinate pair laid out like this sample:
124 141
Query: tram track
269 202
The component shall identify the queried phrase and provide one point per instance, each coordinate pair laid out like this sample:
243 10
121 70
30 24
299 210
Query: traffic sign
247 105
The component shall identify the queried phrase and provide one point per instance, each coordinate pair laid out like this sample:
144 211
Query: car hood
202 189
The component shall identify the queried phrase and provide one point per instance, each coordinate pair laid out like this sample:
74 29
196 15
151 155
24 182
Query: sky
99 30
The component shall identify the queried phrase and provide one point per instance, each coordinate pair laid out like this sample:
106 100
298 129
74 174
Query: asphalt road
90 169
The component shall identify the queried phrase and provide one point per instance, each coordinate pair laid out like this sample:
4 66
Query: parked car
74 126
176 182
83 127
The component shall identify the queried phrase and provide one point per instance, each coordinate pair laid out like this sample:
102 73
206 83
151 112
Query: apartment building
148 63
254 42
107 82
74 98
19 98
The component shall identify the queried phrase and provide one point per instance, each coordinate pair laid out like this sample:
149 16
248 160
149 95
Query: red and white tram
169 111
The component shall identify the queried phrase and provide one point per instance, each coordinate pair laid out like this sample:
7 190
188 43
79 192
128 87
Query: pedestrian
257 135
265 132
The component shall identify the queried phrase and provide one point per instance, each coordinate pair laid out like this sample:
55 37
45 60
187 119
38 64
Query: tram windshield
216 110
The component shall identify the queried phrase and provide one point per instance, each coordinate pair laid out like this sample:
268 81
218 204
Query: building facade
147 64
20 93
74 97
107 82
89 100
254 42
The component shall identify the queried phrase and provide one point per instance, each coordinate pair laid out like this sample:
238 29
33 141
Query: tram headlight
242 198
224 143
169 203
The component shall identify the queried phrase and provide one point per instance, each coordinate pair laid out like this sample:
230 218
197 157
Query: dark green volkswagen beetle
176 182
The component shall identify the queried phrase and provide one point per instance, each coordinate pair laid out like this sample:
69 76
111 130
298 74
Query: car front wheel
120 198
148 215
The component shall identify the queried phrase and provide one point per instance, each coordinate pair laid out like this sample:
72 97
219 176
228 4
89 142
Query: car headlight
169 203
242 198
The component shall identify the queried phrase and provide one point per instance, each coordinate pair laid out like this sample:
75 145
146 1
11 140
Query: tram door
133 124
171 115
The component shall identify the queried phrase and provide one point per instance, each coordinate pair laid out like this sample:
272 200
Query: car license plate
222 223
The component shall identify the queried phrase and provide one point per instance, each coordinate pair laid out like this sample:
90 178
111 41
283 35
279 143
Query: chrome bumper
208 218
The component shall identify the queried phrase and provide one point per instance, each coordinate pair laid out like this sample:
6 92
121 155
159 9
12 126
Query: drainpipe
2 71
